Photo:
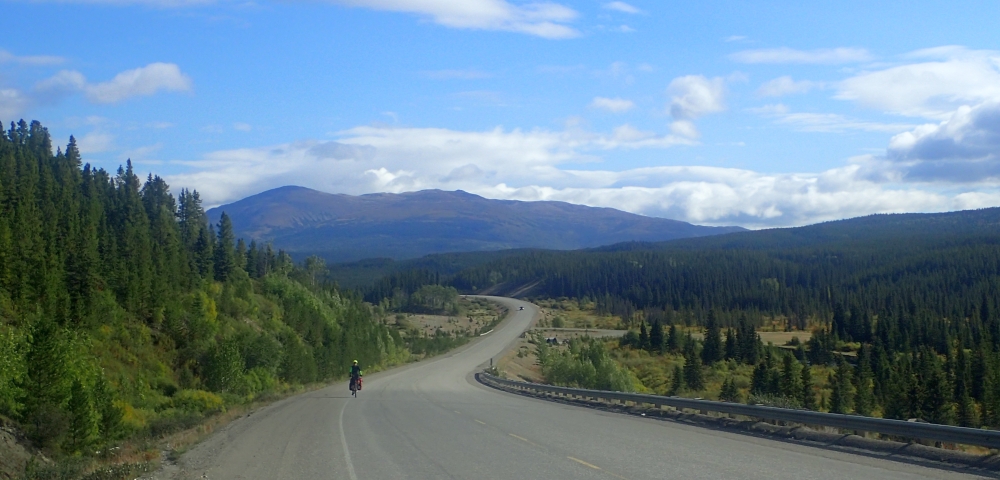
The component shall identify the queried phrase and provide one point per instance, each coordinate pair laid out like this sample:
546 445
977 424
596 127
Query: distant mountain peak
342 227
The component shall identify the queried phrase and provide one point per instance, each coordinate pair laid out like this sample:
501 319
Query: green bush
198 401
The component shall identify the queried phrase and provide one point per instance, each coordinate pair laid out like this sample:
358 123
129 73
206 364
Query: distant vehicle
522 308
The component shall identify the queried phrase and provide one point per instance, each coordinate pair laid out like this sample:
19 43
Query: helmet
355 362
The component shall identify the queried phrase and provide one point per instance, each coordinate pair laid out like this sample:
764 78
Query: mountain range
343 228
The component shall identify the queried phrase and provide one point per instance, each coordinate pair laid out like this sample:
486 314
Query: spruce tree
643 336
840 384
864 398
676 381
673 340
692 368
790 377
656 337
83 428
711 350
731 350
225 253
729 393
807 396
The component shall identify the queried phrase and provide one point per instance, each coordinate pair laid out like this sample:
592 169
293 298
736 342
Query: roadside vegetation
824 373
127 319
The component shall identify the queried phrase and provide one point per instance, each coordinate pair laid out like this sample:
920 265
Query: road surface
432 420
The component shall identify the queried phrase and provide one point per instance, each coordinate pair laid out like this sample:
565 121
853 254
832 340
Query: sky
759 114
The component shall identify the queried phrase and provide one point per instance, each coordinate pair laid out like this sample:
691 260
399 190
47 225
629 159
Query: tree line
903 309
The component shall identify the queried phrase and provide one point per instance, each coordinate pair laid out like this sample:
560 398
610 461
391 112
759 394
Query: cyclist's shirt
355 370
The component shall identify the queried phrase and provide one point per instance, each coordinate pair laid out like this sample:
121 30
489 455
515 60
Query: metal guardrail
899 428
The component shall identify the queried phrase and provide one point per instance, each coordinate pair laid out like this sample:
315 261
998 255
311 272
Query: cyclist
355 373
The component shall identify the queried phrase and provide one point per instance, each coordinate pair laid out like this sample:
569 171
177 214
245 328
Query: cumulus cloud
142 81
693 96
827 56
616 105
621 7
532 165
543 19
965 148
953 77
380 158
782 86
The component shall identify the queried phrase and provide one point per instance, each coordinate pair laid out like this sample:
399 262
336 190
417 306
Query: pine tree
730 393
790 377
83 429
643 336
692 368
864 398
711 350
110 426
225 253
807 396
656 336
760 380
676 381
673 340
731 350
840 383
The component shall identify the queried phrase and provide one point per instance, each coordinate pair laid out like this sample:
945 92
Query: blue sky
771 114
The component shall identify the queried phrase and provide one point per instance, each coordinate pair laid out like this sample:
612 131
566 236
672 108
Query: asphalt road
432 420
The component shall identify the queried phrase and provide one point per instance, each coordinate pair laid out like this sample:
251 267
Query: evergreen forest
902 309
124 313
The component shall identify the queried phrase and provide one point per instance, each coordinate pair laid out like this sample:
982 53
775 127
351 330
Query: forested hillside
904 308
124 313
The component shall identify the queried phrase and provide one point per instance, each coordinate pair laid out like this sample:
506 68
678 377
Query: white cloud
242 127
96 142
528 165
693 96
782 86
965 148
932 89
140 82
616 105
471 74
828 56
684 128
735 38
363 155
621 7
13 103
543 19
824 122
33 60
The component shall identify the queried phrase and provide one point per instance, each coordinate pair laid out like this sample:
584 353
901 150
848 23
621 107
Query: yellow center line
595 467
525 440
479 421
581 462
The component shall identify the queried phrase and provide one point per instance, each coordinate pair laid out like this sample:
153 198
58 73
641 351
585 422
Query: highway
432 420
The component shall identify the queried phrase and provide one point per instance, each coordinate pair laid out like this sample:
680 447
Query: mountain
407 225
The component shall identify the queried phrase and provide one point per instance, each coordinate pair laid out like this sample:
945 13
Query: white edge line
343 441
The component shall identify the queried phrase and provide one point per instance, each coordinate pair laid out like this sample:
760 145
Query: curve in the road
432 420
